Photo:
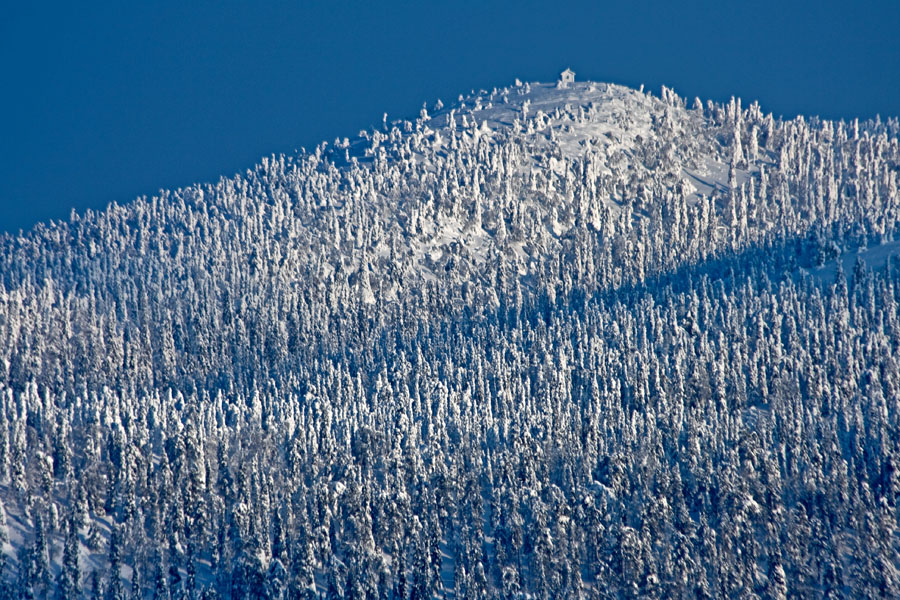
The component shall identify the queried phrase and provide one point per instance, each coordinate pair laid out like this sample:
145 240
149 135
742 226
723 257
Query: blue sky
106 101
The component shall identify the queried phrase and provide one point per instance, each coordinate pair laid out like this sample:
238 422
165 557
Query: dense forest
546 341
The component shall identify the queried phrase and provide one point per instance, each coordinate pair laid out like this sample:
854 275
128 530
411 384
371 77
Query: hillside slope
539 342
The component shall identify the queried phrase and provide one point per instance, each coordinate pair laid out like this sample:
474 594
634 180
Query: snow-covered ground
874 258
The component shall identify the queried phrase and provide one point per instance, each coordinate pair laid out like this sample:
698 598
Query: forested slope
540 342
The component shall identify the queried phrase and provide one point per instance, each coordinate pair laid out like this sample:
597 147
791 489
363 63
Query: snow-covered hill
542 341
549 141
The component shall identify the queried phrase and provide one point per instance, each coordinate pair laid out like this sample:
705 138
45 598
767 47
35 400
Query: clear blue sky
105 101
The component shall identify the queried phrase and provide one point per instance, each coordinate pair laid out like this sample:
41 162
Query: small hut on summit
565 78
